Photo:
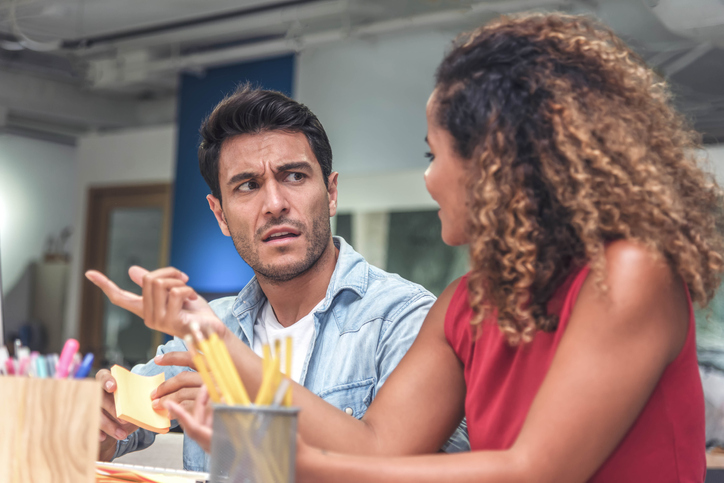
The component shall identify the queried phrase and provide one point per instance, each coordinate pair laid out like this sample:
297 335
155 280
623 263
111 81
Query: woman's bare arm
611 357
415 411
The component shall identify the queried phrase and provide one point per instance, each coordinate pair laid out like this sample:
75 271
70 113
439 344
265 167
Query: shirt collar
350 273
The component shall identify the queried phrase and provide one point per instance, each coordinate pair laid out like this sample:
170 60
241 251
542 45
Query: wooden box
48 430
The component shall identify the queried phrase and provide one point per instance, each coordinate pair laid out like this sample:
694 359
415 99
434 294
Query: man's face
276 207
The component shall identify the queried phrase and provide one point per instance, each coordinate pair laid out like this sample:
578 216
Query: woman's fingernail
156 404
158 359
120 434
153 393
109 385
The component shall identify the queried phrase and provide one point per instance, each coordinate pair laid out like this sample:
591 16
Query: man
268 163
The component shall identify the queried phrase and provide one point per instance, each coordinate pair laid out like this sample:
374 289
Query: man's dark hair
253 111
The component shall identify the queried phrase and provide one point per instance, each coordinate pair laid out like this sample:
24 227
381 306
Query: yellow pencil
266 379
288 370
202 370
277 368
213 363
237 386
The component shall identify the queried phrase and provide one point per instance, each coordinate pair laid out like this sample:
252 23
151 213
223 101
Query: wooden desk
49 430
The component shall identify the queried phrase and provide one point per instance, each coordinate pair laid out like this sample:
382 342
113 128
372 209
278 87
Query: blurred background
101 101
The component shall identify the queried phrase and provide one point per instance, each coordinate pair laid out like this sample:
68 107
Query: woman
555 154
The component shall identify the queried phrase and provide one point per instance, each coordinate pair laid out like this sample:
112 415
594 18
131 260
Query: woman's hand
198 424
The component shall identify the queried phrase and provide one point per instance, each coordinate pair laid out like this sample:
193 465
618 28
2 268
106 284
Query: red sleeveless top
665 443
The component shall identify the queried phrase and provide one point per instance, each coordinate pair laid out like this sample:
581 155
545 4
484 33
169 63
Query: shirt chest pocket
353 398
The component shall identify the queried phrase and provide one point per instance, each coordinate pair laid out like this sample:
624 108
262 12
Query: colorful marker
41 367
66 358
85 367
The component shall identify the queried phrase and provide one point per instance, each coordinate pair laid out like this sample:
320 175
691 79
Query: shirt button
349 411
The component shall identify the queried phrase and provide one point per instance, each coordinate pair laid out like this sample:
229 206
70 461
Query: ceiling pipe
107 73
688 58
20 41
227 25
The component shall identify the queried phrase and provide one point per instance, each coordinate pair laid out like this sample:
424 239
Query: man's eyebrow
243 176
246 175
292 166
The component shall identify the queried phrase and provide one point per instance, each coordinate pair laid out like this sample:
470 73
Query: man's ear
215 206
332 192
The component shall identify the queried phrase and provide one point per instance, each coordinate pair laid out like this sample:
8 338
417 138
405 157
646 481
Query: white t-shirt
267 329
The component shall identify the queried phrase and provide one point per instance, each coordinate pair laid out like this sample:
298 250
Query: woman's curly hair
572 142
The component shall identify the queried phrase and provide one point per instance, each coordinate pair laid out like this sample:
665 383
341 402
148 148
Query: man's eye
295 176
247 186
430 156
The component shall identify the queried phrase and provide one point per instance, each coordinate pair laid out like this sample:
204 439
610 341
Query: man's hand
167 304
196 424
112 429
183 388
123 298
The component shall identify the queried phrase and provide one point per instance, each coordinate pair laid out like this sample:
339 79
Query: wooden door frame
101 201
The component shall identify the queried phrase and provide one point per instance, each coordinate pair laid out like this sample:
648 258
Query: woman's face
445 179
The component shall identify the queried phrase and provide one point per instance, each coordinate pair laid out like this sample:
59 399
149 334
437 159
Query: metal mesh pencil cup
253 444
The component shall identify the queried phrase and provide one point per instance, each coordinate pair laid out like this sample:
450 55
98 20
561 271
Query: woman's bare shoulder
633 270
437 313
643 295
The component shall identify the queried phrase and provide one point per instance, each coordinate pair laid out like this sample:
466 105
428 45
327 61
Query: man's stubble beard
318 240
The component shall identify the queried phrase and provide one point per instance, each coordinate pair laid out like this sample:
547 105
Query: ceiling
72 66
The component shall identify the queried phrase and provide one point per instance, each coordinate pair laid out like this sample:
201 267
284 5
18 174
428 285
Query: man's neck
295 298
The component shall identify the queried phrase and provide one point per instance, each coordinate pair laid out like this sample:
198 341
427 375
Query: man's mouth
280 235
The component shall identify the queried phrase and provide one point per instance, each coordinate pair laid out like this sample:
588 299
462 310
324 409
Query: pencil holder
49 430
253 444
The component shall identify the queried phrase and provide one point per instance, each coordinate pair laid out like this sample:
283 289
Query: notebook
133 400
120 473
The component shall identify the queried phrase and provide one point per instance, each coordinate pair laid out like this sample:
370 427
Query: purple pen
85 366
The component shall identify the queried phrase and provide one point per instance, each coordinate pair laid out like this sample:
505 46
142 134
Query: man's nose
275 202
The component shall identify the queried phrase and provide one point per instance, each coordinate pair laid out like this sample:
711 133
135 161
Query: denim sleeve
459 441
142 438
396 341
399 334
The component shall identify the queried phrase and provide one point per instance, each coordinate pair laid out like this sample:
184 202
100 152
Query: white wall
36 200
140 156
370 95
715 155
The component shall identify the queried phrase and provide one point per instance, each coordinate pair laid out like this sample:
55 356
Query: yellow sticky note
133 400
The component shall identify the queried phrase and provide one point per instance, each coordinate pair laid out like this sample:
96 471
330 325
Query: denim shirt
366 323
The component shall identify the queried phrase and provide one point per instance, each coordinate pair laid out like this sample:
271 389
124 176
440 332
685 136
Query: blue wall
197 245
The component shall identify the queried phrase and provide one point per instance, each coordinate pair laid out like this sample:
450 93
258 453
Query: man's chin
288 259
280 274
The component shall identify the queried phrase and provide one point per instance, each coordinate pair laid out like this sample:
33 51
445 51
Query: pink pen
23 365
10 367
66 357
23 361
